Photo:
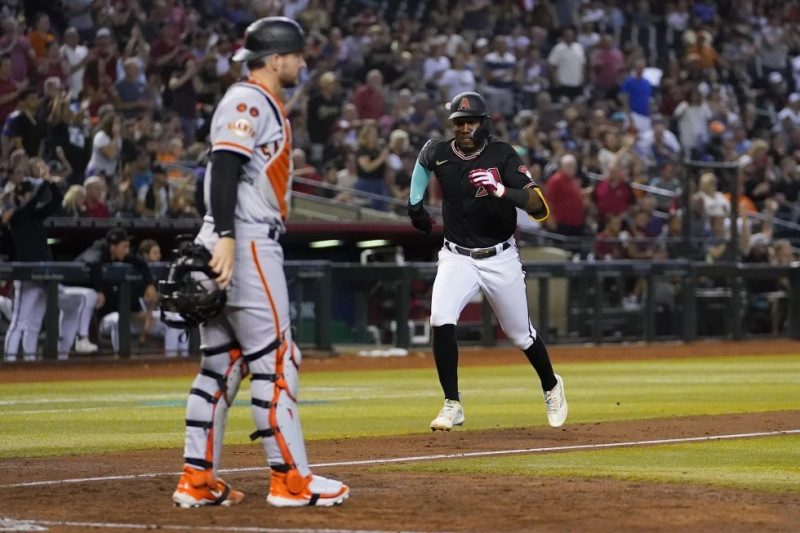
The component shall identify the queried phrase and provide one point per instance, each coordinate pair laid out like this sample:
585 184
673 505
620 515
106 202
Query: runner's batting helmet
189 289
271 35
469 104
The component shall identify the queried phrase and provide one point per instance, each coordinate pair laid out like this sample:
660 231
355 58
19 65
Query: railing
312 285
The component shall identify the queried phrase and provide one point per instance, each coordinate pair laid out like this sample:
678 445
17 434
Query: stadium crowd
604 99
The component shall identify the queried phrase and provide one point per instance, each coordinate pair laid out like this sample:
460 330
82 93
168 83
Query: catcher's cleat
452 414
289 489
199 487
556 404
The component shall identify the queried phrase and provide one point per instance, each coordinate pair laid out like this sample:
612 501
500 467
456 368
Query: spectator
565 198
183 85
789 116
371 159
40 36
499 68
533 75
10 90
132 97
304 170
613 194
79 17
786 190
422 119
105 54
668 182
96 192
106 147
606 63
323 110
436 63
18 48
617 150
658 145
153 199
27 132
379 56
74 203
693 116
607 242
52 65
150 251
76 56
636 94
137 49
397 164
714 202
368 98
567 60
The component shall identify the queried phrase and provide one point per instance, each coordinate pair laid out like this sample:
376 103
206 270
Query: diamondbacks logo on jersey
464 104
524 170
481 190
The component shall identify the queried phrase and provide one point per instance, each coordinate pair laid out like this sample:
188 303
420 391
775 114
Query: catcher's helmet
271 35
469 104
190 290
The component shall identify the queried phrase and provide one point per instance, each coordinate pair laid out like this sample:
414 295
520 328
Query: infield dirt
390 501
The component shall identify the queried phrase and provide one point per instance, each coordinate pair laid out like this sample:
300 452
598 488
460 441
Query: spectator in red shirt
52 65
565 198
9 89
18 48
607 244
606 65
613 194
302 169
105 52
368 98
166 51
96 191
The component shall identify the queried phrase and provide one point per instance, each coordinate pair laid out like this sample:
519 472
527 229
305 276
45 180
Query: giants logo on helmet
464 104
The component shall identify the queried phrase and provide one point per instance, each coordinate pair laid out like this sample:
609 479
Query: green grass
52 419
769 465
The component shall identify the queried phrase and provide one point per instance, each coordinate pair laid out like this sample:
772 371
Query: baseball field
700 437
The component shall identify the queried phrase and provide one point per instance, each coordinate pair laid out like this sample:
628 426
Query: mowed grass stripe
768 464
116 415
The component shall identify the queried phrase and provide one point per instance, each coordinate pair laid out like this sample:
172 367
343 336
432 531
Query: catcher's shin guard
274 390
212 394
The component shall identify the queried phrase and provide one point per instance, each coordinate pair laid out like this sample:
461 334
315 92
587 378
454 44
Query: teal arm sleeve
420 178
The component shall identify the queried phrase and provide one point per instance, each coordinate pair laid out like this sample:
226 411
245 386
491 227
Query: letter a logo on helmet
469 104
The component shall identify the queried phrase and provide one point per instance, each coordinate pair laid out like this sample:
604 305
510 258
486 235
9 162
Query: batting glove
420 218
483 178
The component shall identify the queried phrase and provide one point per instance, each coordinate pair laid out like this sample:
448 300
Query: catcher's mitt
190 290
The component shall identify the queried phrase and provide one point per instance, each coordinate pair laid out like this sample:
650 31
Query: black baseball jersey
473 217
27 223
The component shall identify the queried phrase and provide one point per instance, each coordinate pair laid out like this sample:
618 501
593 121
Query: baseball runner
247 201
483 181
33 205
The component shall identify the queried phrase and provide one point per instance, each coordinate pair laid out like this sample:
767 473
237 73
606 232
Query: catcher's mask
190 290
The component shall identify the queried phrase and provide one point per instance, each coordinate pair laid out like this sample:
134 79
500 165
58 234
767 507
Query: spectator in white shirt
77 56
436 63
457 79
568 60
790 115
693 116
